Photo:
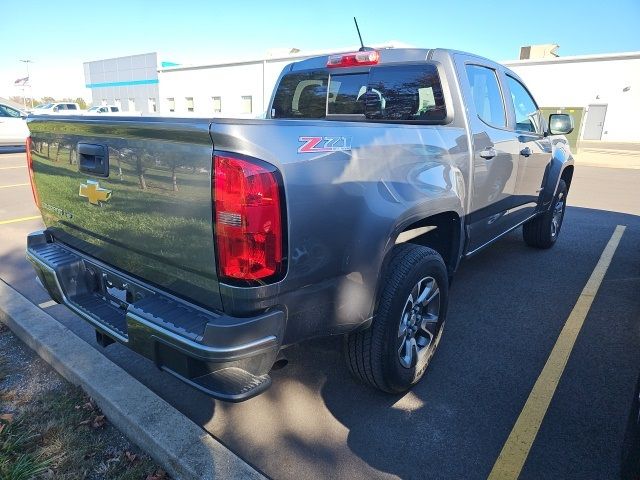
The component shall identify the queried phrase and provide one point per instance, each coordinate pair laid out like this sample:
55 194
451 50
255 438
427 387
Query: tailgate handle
93 159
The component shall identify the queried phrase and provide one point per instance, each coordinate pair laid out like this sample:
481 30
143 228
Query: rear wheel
393 354
543 231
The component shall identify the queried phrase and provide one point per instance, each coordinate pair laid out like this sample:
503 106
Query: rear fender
412 224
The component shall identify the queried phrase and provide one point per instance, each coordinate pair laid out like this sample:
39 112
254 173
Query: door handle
525 152
488 153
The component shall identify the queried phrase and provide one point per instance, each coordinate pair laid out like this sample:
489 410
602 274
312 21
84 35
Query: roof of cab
387 55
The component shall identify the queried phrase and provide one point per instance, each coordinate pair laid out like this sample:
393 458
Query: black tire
543 231
375 355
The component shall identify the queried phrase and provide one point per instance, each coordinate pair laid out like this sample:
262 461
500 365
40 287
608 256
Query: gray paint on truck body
344 209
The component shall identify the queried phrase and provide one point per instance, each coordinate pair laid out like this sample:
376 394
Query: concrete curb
180 446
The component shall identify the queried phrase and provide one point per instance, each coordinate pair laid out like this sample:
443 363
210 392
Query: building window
152 105
118 104
217 104
247 104
189 104
132 105
104 101
171 103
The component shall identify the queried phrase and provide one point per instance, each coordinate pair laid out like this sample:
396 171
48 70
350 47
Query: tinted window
301 95
62 106
487 97
527 114
393 93
408 92
71 106
8 112
346 94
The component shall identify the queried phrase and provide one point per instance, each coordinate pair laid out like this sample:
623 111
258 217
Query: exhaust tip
280 362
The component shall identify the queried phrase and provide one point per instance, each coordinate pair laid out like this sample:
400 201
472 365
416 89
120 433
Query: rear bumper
228 358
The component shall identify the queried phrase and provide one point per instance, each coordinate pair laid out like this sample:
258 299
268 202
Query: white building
601 91
129 82
238 88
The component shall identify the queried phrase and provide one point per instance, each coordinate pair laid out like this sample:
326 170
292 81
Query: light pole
28 80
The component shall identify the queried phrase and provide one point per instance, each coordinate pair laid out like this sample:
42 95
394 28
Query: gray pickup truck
209 246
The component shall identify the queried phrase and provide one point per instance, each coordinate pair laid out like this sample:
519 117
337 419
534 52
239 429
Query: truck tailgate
134 193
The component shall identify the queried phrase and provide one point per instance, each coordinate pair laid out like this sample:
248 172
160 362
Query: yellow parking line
9 168
516 449
14 185
23 219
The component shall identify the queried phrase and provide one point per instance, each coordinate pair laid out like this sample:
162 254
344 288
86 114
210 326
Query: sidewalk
593 157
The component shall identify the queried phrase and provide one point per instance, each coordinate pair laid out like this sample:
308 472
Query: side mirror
560 124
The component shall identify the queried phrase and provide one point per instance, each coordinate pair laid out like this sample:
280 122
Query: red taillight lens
36 199
248 219
355 59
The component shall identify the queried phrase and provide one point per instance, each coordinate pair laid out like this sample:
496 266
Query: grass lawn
50 429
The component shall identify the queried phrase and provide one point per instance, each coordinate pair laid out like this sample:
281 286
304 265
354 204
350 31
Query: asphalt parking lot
508 307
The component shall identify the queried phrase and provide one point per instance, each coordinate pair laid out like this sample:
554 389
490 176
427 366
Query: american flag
21 81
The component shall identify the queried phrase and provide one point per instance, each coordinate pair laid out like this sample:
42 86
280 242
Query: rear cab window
388 93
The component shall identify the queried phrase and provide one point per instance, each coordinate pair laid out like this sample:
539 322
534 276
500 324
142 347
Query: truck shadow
508 305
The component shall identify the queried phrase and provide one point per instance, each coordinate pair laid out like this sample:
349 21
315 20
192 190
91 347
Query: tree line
80 101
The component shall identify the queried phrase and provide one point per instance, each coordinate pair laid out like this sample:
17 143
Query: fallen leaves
88 405
159 474
131 457
98 421
5 419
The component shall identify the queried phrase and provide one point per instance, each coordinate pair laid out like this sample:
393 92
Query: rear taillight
36 199
248 219
355 59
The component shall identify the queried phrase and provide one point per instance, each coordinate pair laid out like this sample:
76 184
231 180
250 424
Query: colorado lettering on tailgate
324 144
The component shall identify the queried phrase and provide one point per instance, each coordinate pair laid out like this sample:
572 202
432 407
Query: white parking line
10 168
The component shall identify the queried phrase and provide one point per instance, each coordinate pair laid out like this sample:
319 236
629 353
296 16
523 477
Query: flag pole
30 91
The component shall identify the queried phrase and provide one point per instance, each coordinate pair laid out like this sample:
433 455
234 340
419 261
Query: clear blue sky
68 32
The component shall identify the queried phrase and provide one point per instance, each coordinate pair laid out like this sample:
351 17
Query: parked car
110 110
13 127
59 108
209 246
103 109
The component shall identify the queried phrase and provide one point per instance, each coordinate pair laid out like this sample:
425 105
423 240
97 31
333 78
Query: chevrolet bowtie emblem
94 193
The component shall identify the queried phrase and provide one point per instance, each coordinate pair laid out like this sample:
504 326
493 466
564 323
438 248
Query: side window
62 106
486 95
527 113
8 112
71 106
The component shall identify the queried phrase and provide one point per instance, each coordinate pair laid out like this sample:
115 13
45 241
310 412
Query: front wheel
543 231
393 354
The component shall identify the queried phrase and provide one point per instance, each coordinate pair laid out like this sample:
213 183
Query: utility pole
28 80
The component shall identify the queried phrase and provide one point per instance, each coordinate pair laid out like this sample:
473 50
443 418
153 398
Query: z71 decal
324 144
